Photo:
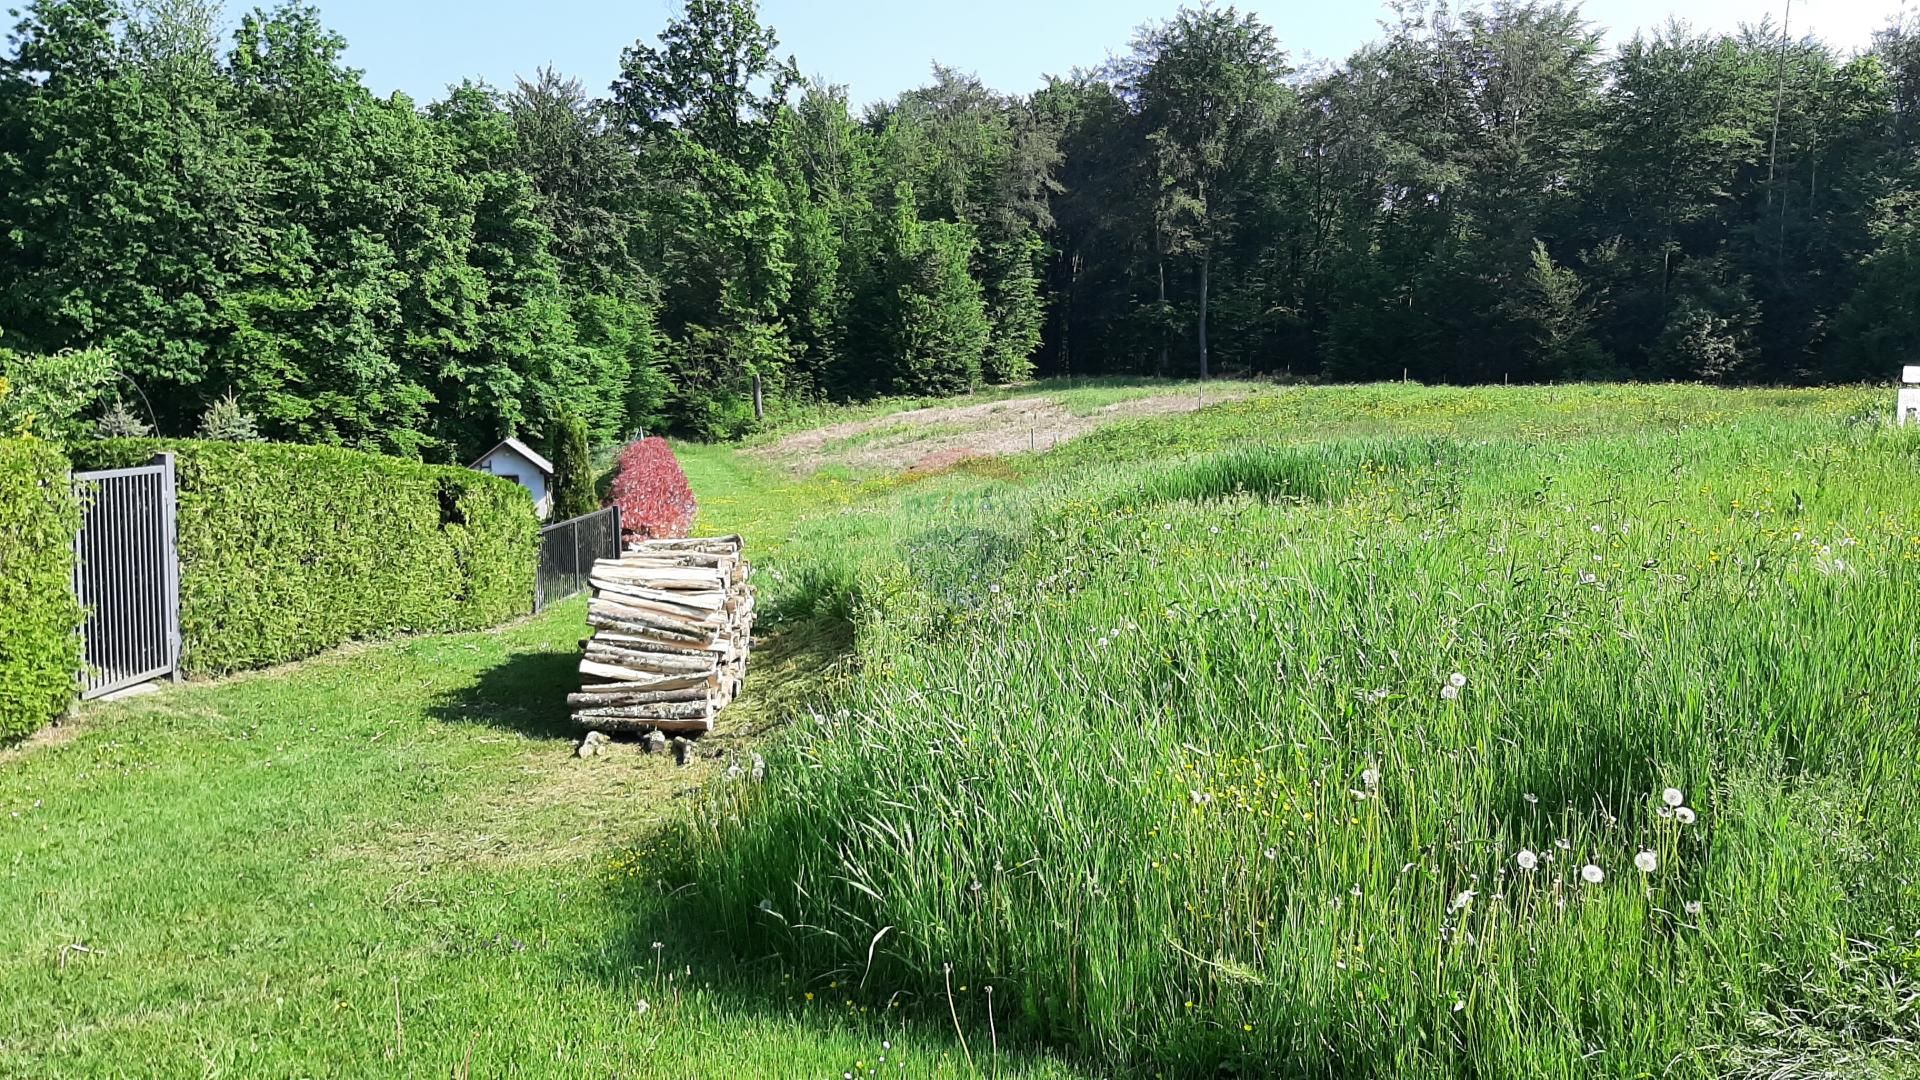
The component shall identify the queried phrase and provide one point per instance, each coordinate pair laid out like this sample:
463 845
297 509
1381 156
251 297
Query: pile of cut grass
1220 743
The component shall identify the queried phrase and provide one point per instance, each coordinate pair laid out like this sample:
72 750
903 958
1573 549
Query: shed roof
520 448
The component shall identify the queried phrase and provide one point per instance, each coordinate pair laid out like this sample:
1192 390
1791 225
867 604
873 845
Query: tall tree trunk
1161 263
1206 265
759 399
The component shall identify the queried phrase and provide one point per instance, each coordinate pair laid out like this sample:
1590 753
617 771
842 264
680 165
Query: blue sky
879 48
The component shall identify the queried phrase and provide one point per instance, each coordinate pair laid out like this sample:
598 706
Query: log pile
672 624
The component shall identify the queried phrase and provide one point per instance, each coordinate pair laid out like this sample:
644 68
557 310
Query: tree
920 323
1557 314
226 421
573 491
1206 89
49 395
106 242
701 108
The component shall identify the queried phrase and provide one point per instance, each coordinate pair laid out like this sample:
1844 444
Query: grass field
1277 739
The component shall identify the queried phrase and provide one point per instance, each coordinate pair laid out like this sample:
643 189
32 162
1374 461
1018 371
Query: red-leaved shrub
651 491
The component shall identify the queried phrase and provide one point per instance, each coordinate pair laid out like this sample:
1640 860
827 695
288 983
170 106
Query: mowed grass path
387 862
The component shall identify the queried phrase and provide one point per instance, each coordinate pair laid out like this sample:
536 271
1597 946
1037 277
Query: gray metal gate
127 575
568 550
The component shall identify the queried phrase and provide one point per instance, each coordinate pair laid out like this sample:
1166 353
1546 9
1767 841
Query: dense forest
232 232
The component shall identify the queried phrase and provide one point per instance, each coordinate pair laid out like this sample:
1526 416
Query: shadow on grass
526 693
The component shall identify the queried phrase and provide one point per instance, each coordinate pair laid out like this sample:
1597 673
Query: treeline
1477 196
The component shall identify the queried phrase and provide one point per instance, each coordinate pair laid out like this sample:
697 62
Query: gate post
170 558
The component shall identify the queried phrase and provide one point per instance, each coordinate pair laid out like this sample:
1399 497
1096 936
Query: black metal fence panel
568 550
127 575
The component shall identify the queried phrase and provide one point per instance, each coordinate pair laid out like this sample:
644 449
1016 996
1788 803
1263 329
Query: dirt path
936 437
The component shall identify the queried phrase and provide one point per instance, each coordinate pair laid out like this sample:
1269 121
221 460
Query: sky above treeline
878 48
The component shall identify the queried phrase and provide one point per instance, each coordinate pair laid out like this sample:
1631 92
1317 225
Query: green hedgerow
289 550
39 617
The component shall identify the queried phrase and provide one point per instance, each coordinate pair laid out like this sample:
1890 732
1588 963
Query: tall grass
1292 758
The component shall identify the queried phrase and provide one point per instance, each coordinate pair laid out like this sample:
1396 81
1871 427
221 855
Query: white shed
517 462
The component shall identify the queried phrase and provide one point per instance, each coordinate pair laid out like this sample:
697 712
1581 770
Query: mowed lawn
1141 757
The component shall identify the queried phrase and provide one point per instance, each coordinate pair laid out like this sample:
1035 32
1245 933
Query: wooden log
693 710
686 727
684 558
683 598
667 573
645 658
700 681
663 621
667 577
600 669
690 543
648 643
585 701
649 630
702 616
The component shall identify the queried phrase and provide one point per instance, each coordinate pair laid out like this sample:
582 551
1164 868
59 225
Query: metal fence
568 550
127 575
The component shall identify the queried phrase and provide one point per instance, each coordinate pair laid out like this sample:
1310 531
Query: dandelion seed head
1370 776
1647 862
1592 874
1673 796
1685 814
1450 692
1456 680
1694 907
1527 859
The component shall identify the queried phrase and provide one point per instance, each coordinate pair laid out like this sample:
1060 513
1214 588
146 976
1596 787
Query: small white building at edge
514 460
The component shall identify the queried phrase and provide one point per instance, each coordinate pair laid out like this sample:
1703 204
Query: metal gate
568 550
127 575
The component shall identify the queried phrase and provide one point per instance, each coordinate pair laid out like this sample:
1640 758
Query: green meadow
1379 731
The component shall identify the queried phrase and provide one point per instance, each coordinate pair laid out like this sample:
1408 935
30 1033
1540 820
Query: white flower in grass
1685 815
1527 859
1370 776
1673 796
1449 692
1694 907
1597 530
994 588
1647 862
1592 874
1456 680
1589 579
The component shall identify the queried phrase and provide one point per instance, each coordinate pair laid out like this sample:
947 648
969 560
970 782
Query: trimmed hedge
39 617
287 550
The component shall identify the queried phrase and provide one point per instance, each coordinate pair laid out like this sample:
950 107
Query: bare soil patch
941 436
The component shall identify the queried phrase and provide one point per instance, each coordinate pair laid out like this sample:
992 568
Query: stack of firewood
672 624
